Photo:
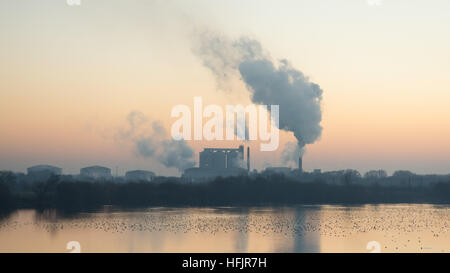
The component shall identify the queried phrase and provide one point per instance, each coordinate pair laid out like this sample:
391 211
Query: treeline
232 191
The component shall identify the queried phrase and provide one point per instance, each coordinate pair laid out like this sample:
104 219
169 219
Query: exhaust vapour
150 140
268 83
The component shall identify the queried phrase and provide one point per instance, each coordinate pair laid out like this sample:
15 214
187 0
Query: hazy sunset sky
70 75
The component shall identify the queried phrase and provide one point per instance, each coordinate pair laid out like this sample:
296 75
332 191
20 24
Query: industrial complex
139 175
213 162
216 162
227 162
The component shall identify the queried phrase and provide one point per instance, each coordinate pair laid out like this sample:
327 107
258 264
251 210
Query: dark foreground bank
233 191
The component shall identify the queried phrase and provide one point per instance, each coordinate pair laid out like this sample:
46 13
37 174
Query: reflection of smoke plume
150 140
283 85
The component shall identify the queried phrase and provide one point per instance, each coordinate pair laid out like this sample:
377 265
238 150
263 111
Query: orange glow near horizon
70 77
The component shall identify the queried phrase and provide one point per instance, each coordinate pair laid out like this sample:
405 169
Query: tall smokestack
300 164
248 158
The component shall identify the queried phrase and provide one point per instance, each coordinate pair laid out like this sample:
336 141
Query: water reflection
305 241
398 228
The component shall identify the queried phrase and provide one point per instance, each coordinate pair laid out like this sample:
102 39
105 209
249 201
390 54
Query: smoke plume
150 140
290 154
268 83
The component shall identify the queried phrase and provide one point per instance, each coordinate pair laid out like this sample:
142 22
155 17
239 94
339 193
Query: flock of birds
398 227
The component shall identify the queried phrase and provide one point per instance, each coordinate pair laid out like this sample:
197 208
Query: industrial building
286 170
220 158
278 170
42 172
139 175
44 168
216 162
96 172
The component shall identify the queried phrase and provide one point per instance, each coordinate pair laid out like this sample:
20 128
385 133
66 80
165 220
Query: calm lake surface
325 228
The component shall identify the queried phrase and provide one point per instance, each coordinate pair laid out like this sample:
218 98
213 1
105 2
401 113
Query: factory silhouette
213 163
91 173
223 178
234 162
219 162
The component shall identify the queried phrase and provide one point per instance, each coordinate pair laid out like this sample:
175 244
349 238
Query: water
394 228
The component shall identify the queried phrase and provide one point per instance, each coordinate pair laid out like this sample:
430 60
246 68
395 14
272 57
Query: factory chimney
248 158
300 164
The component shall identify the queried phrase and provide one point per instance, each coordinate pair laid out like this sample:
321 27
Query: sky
70 75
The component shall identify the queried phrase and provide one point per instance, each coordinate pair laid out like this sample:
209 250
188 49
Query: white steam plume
268 83
151 140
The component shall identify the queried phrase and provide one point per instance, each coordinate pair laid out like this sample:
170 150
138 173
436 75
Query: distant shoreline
243 191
